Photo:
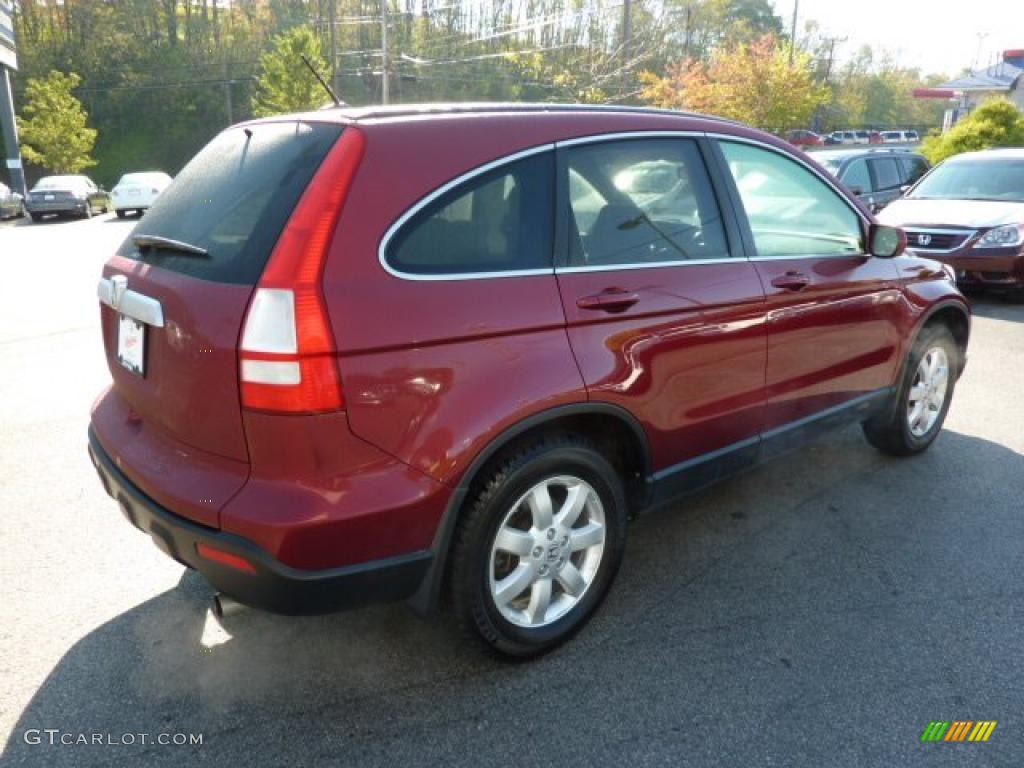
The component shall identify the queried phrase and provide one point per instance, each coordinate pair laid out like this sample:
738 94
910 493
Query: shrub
996 123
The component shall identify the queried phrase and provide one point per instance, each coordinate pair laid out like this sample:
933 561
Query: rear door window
641 202
498 221
234 198
887 173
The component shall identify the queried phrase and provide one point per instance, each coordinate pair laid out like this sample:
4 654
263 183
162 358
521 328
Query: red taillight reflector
238 562
318 389
287 329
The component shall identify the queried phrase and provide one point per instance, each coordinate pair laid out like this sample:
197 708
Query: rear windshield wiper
166 243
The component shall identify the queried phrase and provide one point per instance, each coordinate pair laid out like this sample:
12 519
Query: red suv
377 354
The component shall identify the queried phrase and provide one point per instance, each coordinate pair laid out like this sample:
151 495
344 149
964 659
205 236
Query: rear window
74 183
913 168
233 199
143 178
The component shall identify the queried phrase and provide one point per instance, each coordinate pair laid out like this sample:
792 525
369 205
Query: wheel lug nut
551 533
565 539
538 551
543 569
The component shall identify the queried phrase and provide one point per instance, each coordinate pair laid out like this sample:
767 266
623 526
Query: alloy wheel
547 551
928 391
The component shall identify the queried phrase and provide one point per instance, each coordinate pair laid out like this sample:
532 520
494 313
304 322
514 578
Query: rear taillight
287 358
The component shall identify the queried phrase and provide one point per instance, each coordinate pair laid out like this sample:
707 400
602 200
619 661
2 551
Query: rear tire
35 216
121 214
923 398
527 573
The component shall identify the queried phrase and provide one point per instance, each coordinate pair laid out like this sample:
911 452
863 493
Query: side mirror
886 242
905 188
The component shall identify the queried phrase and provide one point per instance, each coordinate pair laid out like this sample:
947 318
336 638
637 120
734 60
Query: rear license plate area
131 344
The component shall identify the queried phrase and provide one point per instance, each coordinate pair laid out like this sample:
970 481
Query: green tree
284 83
753 83
996 123
54 127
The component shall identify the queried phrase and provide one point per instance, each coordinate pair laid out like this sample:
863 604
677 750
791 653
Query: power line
516 28
482 57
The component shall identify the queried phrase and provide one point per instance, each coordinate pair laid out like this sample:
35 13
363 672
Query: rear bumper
270 585
128 204
57 206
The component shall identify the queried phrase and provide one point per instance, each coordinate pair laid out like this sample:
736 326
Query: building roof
998 77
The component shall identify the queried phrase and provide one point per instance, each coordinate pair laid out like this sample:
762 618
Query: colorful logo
958 730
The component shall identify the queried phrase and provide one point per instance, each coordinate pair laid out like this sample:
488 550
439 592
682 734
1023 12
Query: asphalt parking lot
818 611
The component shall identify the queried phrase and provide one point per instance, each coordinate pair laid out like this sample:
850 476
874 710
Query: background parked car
899 137
802 138
77 195
841 137
11 203
877 176
137 191
969 213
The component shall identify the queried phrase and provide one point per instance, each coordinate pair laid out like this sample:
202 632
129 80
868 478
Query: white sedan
137 191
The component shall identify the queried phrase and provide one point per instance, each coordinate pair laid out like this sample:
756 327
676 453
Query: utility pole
10 133
686 45
384 52
227 93
627 39
977 54
334 46
792 34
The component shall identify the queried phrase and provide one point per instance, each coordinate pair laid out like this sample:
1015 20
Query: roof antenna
337 102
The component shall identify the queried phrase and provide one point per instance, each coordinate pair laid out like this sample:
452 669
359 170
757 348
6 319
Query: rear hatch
189 269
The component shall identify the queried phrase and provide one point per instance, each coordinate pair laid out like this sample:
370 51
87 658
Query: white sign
13 163
7 47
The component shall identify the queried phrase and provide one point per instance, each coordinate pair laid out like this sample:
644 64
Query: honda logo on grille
924 239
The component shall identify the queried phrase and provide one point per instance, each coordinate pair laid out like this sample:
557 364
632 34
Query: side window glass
641 201
791 211
914 168
856 177
887 174
497 222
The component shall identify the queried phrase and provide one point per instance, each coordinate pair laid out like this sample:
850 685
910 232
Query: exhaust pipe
222 606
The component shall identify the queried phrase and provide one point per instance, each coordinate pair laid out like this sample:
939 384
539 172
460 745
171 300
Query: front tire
121 213
923 398
539 547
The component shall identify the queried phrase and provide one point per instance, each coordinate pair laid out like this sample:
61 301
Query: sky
940 36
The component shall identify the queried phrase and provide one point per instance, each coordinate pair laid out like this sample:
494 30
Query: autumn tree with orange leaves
754 83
